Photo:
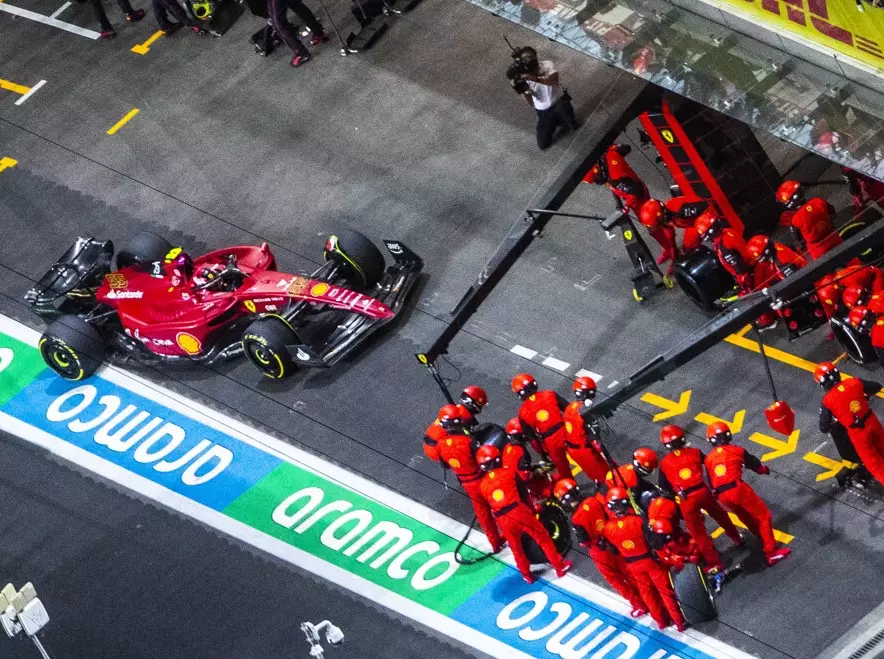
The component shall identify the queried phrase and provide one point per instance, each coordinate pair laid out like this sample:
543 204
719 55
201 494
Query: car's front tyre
72 348
265 343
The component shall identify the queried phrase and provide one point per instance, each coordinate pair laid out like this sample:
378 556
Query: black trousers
100 14
277 10
560 113
162 9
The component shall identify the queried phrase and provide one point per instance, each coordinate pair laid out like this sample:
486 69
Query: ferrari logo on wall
667 135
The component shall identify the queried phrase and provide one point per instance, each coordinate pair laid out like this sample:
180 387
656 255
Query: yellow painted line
575 468
671 407
832 467
122 122
143 48
735 424
739 339
780 447
779 536
839 358
11 86
6 162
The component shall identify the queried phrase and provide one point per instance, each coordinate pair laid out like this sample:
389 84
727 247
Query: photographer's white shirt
544 96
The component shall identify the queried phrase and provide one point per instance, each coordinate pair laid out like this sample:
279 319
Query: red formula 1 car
159 304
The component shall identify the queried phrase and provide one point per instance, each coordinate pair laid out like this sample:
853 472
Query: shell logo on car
188 343
320 289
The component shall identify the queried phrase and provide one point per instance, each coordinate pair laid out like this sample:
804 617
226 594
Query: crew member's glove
764 470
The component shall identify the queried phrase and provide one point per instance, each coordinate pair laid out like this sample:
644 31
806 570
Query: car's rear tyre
557 523
362 259
145 247
857 345
693 594
72 348
266 342
703 279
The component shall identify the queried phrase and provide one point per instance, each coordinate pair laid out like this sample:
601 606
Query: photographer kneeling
540 86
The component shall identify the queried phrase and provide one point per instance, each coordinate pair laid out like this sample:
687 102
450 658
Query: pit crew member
810 221
542 412
665 217
581 439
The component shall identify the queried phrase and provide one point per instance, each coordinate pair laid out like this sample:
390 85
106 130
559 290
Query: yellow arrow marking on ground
142 48
779 446
671 408
779 536
122 122
575 468
6 162
11 86
736 425
832 467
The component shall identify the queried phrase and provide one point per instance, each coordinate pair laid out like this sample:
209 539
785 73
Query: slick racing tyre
145 247
72 348
363 261
693 594
266 342
857 345
556 522
703 279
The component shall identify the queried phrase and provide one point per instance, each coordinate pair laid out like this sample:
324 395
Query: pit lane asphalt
419 140
124 577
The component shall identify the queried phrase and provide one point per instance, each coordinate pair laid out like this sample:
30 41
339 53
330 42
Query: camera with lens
516 69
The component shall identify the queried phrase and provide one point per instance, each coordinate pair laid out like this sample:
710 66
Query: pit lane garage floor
122 577
420 140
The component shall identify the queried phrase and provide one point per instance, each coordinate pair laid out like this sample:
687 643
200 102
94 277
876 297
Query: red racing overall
456 450
542 411
783 261
500 490
579 444
684 211
734 257
681 471
589 524
847 402
626 535
814 221
435 433
724 464
630 191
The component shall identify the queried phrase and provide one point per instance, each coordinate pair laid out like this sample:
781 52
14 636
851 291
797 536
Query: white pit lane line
48 20
31 91
256 438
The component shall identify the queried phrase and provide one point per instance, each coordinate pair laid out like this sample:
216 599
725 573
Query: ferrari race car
159 304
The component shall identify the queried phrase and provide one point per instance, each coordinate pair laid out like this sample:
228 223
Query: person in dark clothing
548 98
163 8
107 30
277 10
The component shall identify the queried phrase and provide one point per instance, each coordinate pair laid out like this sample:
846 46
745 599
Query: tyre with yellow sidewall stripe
72 348
266 342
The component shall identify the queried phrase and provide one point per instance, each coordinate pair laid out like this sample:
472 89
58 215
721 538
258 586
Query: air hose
468 561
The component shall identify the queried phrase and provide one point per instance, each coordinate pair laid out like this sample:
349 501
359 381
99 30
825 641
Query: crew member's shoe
777 555
565 569
107 34
135 16
529 579
199 31
300 60
667 255
681 626
170 28
637 612
318 39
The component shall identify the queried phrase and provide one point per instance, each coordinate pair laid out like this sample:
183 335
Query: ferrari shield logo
116 280
667 135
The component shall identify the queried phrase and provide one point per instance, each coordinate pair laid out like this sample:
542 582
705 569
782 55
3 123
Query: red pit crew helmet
617 500
645 460
790 194
862 318
653 213
826 375
567 492
488 457
524 385
450 417
672 437
718 433
584 388
474 398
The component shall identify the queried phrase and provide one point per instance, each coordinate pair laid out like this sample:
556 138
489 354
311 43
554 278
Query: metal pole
43 652
773 388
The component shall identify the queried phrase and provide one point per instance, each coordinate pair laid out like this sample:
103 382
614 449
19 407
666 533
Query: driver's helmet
183 263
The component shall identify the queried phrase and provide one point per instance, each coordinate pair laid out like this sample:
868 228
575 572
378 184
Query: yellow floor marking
142 48
735 424
780 447
7 162
779 536
839 358
11 86
575 468
739 339
122 122
670 407
832 467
